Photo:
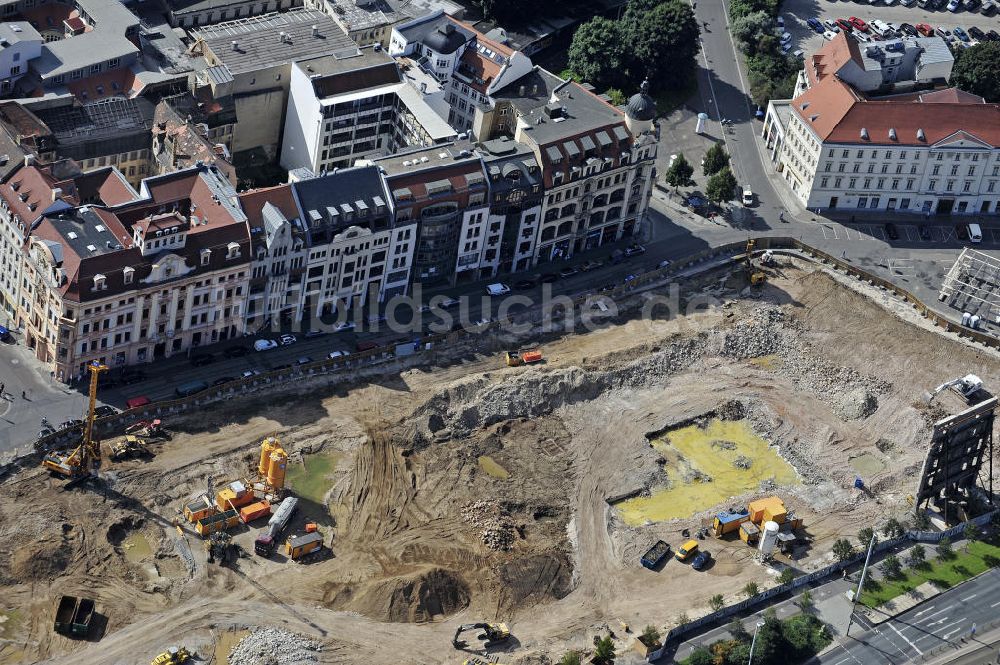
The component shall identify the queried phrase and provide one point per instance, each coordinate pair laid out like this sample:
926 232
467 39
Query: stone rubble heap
757 335
273 646
495 525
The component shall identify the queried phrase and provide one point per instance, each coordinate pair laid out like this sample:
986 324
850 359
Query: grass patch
964 563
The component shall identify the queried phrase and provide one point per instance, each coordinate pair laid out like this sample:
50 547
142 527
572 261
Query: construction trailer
265 542
748 523
254 511
218 522
199 509
298 547
234 496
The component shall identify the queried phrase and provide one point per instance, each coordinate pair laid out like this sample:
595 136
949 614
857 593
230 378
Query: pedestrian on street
1 389
24 395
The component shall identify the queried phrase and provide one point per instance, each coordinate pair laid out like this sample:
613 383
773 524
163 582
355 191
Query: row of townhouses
875 127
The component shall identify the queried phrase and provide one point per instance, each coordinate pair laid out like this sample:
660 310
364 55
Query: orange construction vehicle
518 358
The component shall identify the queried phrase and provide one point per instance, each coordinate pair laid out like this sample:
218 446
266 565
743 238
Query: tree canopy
680 172
597 53
716 159
976 70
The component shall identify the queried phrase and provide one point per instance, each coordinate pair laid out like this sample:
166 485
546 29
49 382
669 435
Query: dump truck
298 548
149 429
493 633
265 542
655 555
82 617
172 656
218 522
64 615
518 358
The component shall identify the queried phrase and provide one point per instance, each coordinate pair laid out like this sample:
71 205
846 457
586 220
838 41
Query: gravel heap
495 525
273 646
856 404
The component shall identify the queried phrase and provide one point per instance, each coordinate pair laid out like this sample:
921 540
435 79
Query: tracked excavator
79 463
967 386
493 633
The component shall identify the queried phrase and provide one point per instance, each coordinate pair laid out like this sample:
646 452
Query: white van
975 233
497 289
879 27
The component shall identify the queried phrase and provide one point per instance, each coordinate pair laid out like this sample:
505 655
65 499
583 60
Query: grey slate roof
347 190
259 45
439 33
18 31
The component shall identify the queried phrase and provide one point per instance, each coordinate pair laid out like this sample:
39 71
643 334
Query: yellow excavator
79 463
755 274
493 633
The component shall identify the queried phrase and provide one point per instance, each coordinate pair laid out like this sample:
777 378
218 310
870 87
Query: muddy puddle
492 468
867 464
136 547
310 478
706 466
225 643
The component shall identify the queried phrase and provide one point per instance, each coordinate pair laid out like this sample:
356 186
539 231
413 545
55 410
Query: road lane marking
949 634
962 600
912 645
995 604
931 615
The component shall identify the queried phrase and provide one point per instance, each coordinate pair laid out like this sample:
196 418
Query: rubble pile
759 334
495 525
856 404
273 646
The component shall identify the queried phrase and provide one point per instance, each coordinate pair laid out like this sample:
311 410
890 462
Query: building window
874 203
932 185
127 274
206 256
836 182
863 202
823 182
853 182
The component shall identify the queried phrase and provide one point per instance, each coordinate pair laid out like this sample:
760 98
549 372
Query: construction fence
910 537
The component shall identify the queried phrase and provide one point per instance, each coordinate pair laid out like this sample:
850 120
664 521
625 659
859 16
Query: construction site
491 504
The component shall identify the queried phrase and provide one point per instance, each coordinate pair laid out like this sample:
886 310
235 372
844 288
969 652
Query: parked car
993 35
858 24
336 354
844 25
202 359
250 372
549 277
137 401
304 360
223 379
590 265
498 289
829 35
961 34
448 303
190 388
747 197
344 326
971 5
366 346
103 411
954 5
908 29
962 230
287 339
131 376
892 231
568 271
70 423
831 25
264 345
634 250
815 24
237 351
315 333
976 33
701 560
925 29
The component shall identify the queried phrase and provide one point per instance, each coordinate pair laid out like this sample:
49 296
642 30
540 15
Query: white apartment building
354 105
20 43
927 152
470 65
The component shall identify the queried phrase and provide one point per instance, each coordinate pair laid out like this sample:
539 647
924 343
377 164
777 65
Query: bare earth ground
818 369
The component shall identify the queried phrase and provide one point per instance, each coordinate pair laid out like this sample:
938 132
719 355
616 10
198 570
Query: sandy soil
821 371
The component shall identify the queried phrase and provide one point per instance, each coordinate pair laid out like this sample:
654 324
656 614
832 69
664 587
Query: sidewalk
983 649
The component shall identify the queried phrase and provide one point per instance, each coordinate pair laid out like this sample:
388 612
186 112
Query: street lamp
753 642
861 584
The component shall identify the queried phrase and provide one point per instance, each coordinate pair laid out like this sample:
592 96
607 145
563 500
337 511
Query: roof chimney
864 133
236 45
281 36
892 133
920 135
29 160
56 194
315 31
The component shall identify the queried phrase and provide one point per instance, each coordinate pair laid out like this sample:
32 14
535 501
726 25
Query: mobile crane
79 463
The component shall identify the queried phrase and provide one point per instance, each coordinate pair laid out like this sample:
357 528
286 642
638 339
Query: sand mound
412 599
41 560
856 404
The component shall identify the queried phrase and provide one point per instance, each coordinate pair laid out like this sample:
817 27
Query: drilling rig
78 464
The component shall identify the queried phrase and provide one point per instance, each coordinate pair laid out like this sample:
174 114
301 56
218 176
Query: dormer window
128 274
206 256
100 282
233 250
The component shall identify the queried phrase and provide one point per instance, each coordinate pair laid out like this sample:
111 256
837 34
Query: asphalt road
942 621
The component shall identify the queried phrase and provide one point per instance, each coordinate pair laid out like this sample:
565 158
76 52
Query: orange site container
311 527
255 511
533 356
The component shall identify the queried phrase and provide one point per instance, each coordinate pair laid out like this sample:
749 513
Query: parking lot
797 12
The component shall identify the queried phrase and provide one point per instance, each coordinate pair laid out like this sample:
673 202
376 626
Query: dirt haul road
475 491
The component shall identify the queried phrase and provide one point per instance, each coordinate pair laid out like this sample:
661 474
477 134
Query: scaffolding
972 286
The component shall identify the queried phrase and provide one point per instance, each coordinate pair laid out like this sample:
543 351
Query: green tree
616 96
893 529
943 548
975 70
770 641
604 651
738 654
842 549
597 52
786 576
716 159
865 537
922 521
721 187
747 30
750 589
805 600
970 533
891 567
680 172
917 556
738 631
650 636
716 602
700 656
662 41
570 658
